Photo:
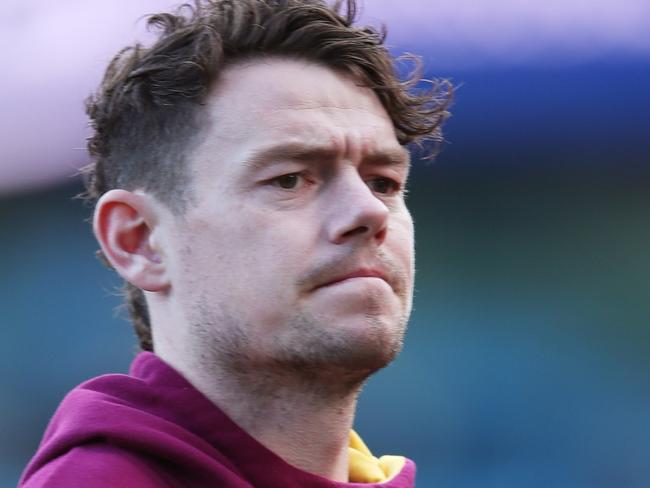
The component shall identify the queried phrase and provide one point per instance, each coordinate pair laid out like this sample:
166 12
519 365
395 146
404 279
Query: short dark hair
148 108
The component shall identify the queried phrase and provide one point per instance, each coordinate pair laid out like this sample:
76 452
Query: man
249 183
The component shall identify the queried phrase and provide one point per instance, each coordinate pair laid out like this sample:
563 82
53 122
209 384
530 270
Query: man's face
298 252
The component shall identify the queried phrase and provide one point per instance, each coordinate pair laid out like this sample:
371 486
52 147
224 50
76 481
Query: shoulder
104 465
97 466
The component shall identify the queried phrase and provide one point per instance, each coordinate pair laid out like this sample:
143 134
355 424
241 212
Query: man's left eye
384 186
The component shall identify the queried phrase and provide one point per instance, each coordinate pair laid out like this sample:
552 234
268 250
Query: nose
356 213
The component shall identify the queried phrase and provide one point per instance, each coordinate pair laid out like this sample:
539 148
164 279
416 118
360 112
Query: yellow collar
366 468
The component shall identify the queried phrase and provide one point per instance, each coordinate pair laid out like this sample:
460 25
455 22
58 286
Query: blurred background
527 362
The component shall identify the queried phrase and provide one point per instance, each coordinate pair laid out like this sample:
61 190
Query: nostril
362 229
381 235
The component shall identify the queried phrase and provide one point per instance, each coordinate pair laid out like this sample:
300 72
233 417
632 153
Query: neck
304 420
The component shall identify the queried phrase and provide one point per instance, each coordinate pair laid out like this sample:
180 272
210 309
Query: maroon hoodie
152 428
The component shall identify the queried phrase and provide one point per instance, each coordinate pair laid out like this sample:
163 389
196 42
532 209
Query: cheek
254 250
402 237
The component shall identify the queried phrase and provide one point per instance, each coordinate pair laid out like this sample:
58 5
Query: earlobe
124 224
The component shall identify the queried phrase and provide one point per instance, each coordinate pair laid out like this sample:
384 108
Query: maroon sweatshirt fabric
152 428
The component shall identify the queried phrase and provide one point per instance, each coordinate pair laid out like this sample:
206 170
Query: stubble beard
308 353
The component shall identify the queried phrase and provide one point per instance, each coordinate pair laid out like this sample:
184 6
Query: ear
124 224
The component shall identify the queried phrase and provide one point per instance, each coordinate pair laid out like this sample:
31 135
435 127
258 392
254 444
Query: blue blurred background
528 356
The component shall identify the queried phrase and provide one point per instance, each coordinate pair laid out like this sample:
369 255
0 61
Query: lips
359 273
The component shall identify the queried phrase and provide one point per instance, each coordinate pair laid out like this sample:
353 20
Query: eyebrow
398 157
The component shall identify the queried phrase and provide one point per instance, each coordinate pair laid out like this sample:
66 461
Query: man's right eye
287 182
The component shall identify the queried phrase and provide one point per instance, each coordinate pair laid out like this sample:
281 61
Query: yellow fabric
366 468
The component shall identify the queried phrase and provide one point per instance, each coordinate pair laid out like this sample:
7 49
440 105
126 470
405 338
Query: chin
377 347
348 348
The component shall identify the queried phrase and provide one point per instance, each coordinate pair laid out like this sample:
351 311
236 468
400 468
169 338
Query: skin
297 181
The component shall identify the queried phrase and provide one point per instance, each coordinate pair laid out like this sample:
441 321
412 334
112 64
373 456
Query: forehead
264 85
268 101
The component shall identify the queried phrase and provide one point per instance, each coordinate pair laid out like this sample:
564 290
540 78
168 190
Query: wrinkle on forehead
261 103
344 134
356 151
